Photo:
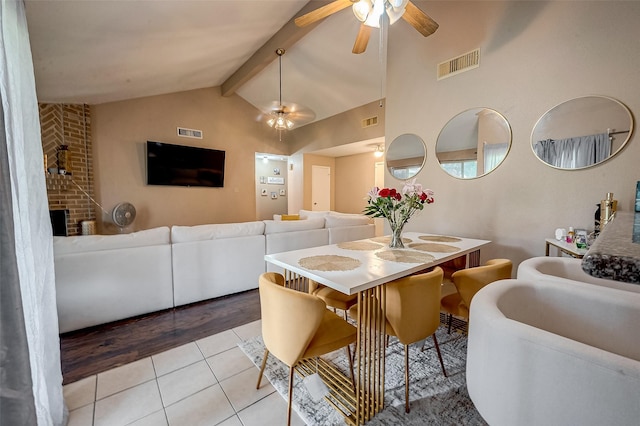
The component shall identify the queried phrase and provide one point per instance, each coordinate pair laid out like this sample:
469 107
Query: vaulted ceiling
102 51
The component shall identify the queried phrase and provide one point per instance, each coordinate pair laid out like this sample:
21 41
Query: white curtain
33 241
494 153
574 152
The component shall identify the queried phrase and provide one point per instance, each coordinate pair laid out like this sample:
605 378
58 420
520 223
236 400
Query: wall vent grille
371 121
189 133
462 63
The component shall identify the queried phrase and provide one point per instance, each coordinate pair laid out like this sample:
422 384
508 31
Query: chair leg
439 355
353 378
406 379
290 395
264 364
449 330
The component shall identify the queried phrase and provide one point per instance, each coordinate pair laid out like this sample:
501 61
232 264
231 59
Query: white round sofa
540 353
565 269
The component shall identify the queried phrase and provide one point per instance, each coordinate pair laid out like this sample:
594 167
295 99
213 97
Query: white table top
372 271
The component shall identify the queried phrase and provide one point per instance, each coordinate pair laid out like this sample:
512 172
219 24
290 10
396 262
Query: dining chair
413 314
468 282
333 298
297 326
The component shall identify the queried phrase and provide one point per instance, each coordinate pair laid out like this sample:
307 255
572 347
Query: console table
364 267
564 247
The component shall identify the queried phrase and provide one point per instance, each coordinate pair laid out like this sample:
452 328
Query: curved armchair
413 313
296 326
469 281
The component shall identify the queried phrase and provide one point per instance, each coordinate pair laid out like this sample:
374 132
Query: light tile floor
206 382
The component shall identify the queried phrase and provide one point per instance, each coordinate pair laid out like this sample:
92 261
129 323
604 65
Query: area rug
434 399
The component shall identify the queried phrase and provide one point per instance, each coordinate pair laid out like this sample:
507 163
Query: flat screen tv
181 165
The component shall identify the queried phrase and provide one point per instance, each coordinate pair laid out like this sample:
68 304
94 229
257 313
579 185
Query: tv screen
181 165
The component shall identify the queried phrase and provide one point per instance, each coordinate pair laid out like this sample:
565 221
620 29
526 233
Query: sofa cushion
334 220
183 234
86 243
274 227
308 214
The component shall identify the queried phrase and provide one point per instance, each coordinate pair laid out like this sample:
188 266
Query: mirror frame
401 154
507 126
557 108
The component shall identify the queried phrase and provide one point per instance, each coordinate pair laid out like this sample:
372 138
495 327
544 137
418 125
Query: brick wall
69 124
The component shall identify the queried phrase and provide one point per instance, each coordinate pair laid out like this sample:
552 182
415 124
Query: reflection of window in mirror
404 173
461 169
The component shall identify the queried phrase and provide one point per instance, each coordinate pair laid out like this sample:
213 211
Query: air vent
189 133
371 121
462 63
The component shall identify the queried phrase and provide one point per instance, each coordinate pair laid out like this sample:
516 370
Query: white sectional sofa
101 278
104 278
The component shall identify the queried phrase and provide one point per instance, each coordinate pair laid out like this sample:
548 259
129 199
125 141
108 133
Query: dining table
363 267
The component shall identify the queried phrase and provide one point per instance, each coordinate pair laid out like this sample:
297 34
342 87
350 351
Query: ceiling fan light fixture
395 12
373 20
362 9
379 152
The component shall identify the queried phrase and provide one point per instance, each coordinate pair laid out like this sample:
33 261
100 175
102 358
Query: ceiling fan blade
323 12
362 39
419 20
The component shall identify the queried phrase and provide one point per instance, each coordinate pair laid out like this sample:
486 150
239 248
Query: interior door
320 188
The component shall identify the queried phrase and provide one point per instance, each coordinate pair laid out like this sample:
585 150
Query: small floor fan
123 214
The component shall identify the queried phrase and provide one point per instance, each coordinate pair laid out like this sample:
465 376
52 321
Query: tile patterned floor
206 382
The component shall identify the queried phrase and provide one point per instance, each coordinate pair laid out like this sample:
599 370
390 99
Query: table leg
370 353
474 259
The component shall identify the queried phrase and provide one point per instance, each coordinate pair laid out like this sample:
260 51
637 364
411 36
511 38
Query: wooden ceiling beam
286 37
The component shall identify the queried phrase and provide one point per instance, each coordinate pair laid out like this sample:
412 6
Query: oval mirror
473 143
406 156
582 132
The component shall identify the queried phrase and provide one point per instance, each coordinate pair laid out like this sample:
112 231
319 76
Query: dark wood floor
94 350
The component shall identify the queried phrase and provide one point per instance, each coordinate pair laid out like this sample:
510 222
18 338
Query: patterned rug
435 399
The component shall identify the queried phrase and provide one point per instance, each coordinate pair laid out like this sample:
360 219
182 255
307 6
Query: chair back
470 281
290 318
413 305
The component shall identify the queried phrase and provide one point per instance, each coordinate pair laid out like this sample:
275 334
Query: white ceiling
96 51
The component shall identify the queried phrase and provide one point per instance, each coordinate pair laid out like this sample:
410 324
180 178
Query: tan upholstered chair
297 325
469 281
333 298
413 313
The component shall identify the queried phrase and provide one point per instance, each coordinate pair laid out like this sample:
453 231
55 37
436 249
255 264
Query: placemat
329 262
387 239
360 245
434 247
440 238
405 256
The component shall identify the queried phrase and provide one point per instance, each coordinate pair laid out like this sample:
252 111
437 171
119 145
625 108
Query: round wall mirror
582 132
473 143
406 156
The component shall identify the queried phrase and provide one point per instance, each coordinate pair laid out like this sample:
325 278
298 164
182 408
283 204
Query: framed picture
263 192
283 192
275 180
274 195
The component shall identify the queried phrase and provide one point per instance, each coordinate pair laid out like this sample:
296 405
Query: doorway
320 188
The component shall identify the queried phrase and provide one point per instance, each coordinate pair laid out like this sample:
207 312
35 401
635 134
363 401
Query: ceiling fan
284 116
369 12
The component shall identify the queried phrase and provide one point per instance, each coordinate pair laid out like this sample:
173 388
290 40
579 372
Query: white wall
534 55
